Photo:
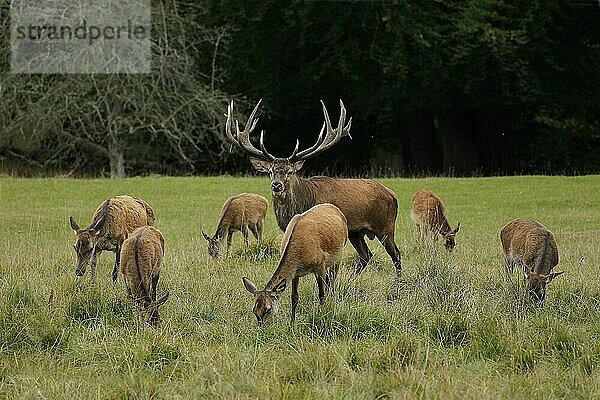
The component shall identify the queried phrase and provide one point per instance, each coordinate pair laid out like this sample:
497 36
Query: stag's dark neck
300 196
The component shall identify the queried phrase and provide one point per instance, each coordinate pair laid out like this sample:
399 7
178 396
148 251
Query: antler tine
331 137
295 150
242 137
268 155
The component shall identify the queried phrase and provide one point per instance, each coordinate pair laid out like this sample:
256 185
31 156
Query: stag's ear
206 236
553 275
455 231
280 287
260 165
76 228
249 285
297 165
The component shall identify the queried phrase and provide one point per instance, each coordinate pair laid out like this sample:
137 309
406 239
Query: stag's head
266 302
85 241
282 169
537 283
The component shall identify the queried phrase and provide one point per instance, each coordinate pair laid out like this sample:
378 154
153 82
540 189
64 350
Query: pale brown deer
243 212
312 244
528 244
370 208
141 260
115 219
429 215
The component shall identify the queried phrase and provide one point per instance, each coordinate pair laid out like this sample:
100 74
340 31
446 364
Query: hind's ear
553 275
280 287
97 226
455 231
162 300
76 228
249 285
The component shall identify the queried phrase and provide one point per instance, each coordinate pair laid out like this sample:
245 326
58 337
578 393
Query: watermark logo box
81 36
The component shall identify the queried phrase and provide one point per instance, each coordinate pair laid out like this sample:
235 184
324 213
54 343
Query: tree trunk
116 159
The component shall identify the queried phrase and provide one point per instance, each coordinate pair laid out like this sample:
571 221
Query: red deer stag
369 207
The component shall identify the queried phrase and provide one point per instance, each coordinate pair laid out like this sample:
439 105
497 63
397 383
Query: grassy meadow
454 326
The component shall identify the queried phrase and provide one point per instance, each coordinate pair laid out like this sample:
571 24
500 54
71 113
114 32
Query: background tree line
453 87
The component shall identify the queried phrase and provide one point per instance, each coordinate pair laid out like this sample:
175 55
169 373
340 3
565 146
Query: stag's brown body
141 259
528 244
312 244
115 219
243 212
429 215
370 208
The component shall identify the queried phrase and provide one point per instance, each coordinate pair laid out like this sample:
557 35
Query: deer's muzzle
277 187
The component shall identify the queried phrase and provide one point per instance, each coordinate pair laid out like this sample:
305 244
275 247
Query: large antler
242 138
327 140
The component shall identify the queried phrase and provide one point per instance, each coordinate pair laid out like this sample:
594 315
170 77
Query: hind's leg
254 231
115 272
259 228
245 234
153 285
229 236
321 286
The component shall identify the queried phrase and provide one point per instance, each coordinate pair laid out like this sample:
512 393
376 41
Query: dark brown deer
369 207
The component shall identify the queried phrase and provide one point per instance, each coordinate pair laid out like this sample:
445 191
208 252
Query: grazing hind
429 214
243 212
141 260
528 244
115 219
312 244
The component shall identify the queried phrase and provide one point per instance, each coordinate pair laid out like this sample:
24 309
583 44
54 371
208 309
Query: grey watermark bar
80 36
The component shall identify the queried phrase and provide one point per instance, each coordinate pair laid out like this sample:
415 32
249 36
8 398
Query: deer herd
318 216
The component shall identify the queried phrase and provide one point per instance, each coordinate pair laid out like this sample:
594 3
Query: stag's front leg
294 298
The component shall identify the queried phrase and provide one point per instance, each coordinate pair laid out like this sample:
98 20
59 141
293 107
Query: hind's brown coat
141 259
239 213
115 219
528 244
312 243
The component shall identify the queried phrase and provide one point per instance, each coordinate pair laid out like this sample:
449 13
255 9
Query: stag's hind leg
364 254
393 251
